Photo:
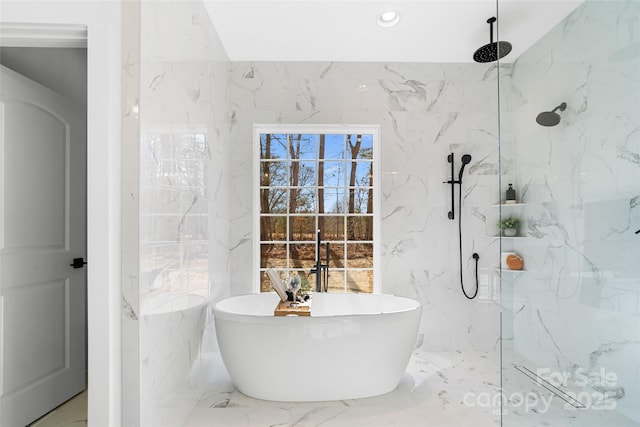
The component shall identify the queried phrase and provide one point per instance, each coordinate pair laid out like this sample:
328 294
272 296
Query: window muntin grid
310 181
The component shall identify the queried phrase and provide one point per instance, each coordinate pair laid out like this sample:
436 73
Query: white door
42 229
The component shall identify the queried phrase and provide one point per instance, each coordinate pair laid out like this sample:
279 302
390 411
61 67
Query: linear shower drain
550 387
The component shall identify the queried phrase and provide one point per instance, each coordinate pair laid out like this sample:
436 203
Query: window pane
366 147
265 285
359 228
362 171
308 147
273 146
336 281
302 146
305 201
358 200
273 200
352 139
273 228
336 256
320 201
294 173
302 228
307 174
334 200
332 227
274 173
265 193
302 174
265 174
360 255
302 255
334 147
360 281
273 256
333 174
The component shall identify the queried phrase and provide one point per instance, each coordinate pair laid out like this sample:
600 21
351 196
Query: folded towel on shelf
277 284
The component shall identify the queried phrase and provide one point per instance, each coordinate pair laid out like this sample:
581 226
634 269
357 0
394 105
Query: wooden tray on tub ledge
283 309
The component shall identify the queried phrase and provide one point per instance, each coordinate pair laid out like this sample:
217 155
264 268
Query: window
311 179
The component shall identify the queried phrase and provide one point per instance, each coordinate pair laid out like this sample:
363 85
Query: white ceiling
442 31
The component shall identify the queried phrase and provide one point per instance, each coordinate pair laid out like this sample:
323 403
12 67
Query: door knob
78 263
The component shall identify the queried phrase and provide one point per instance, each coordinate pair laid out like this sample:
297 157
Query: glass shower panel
571 315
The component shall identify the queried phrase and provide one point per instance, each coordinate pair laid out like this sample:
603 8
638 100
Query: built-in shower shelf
507 270
508 204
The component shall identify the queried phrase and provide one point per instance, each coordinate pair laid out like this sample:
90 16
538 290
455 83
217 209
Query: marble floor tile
431 393
441 389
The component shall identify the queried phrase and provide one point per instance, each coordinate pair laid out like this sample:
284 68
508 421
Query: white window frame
344 129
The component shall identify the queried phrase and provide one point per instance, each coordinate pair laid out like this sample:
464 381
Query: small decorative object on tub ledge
294 283
277 284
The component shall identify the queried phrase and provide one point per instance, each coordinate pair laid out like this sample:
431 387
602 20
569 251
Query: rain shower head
550 118
494 50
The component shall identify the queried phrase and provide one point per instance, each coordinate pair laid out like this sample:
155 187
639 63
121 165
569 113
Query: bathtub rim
236 316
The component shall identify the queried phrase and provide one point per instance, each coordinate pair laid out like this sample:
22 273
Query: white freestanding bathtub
352 346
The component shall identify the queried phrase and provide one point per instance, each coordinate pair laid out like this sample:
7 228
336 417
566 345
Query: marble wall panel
425 112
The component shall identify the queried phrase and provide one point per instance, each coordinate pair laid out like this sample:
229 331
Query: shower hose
475 254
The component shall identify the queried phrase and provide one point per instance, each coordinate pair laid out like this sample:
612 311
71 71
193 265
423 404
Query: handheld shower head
465 161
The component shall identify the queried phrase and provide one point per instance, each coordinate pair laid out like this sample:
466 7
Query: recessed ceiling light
388 18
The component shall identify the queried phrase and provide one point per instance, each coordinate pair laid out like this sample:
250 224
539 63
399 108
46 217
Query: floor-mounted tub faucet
321 270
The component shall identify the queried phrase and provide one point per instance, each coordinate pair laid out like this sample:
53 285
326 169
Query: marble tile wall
130 212
578 303
183 214
425 112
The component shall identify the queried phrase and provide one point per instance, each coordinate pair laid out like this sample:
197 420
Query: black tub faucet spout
321 270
